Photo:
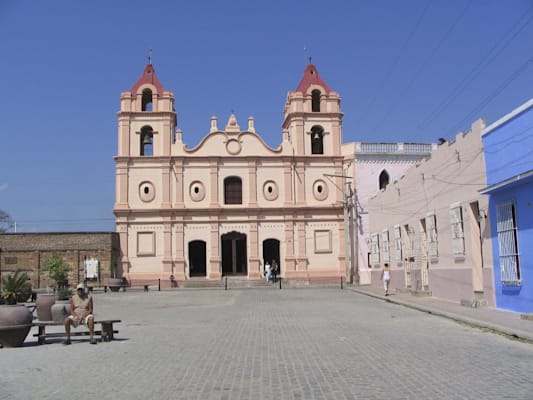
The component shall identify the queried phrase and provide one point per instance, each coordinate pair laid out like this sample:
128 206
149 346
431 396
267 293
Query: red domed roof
149 77
311 77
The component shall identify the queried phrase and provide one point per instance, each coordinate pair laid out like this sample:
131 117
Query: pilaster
214 269
179 256
179 187
252 179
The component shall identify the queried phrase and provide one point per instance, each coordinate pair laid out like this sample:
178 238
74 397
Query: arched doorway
197 258
271 254
234 257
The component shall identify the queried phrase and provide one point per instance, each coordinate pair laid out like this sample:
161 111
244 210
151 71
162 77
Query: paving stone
270 344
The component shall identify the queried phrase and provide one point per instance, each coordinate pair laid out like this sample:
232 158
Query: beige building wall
435 220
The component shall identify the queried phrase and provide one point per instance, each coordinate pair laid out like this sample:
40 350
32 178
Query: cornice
299 212
145 113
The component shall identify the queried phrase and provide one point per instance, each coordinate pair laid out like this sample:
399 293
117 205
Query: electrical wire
418 72
491 56
489 98
393 65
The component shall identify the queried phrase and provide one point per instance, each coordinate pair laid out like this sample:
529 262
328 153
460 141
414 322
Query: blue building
508 147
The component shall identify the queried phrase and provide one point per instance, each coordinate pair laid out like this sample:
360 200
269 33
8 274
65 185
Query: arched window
383 179
147 141
147 100
315 100
317 140
232 190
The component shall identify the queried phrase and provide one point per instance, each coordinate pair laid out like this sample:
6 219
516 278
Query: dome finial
309 58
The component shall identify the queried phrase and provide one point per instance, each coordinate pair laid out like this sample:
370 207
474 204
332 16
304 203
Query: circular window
197 191
233 146
320 190
146 191
270 190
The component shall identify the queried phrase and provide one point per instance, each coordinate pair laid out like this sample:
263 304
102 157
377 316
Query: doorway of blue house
271 255
234 257
197 258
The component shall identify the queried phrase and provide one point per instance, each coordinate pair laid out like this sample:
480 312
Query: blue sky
407 71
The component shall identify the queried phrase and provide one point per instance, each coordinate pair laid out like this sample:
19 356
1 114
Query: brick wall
29 251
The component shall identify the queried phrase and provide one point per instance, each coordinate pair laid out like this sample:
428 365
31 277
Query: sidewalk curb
512 333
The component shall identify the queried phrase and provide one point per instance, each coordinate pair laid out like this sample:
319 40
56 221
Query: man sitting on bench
81 310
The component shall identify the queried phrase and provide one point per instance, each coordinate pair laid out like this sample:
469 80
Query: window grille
410 243
508 243
232 190
458 238
385 246
398 243
374 249
431 232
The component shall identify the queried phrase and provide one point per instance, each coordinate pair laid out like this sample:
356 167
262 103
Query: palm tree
16 287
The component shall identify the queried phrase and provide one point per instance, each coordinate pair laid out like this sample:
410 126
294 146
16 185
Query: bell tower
313 118
147 118
146 126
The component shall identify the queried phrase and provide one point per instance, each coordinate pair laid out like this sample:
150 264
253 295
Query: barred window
410 241
458 237
385 246
431 232
508 243
374 249
232 190
398 242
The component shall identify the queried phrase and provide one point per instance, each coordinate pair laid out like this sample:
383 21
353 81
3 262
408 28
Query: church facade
229 204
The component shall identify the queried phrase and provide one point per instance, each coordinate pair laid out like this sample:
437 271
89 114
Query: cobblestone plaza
265 343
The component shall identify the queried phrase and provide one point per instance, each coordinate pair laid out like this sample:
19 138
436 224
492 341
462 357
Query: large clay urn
60 310
43 306
15 323
115 284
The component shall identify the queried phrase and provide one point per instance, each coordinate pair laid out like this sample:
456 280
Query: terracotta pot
15 323
60 310
115 284
43 305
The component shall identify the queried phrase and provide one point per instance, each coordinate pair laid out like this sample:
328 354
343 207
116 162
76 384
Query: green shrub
16 287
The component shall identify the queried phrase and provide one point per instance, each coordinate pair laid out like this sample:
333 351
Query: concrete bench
145 284
106 332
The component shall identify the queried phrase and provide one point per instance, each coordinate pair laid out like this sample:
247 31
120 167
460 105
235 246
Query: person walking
385 277
268 271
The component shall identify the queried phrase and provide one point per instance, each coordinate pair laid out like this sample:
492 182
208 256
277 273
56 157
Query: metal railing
403 148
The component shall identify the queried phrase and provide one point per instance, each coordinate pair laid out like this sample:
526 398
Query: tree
5 221
57 270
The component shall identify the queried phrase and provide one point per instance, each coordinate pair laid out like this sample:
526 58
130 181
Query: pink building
375 166
431 225
229 204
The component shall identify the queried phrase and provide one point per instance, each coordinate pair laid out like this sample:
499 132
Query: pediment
222 144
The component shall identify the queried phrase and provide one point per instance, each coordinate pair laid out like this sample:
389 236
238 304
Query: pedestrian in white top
267 271
385 277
